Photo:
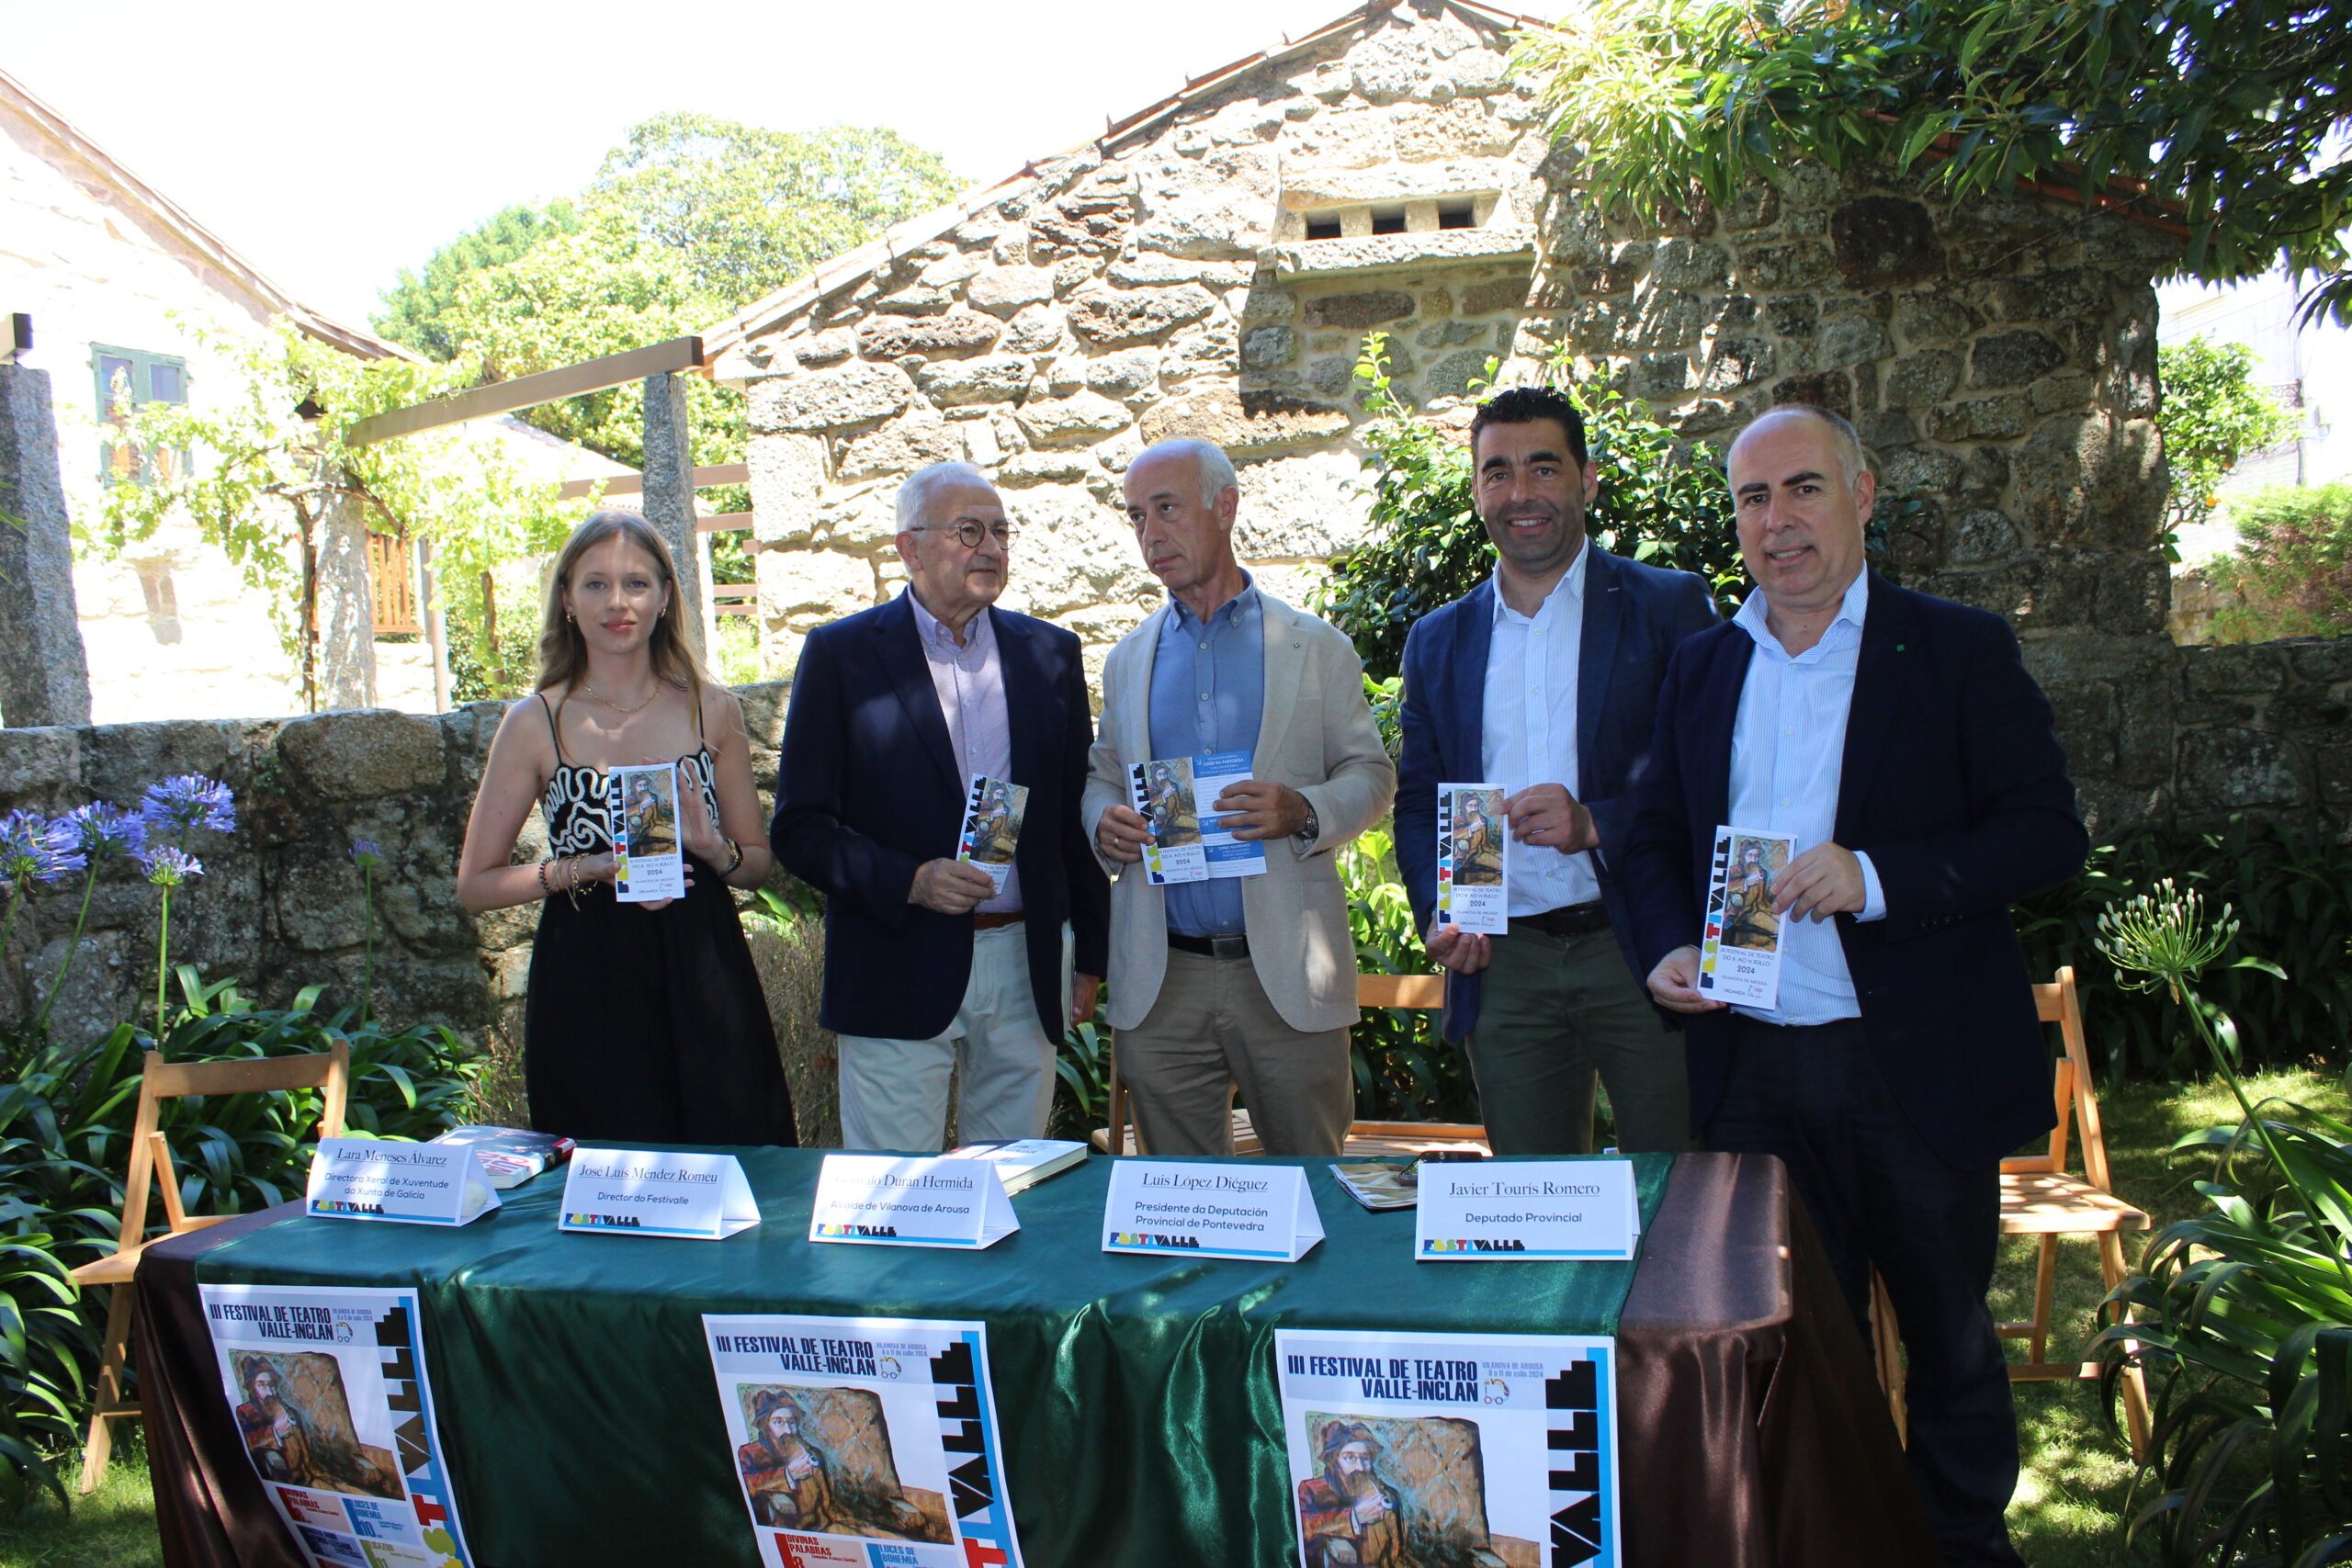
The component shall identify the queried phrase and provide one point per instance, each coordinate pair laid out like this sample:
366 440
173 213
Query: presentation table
1135 1394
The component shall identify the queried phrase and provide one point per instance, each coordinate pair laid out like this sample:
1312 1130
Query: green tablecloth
1135 1394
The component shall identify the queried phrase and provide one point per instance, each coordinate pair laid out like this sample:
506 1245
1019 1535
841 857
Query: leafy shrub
2291 574
65 1121
2291 886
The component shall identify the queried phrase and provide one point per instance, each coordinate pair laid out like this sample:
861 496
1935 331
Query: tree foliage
420 311
2212 415
2225 108
271 462
2291 573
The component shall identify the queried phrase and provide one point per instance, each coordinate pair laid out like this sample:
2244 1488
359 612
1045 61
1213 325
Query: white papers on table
867 1442
1473 857
1254 1210
1528 1211
992 812
418 1184
511 1156
647 861
1189 842
910 1200
1740 950
655 1192
328 1386
1022 1163
1417 1436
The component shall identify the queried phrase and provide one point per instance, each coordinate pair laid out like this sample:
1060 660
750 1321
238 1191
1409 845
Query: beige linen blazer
1317 736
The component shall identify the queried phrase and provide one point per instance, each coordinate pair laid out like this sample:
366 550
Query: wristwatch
1313 828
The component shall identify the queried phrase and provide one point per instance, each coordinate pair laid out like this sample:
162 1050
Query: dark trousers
1879 1196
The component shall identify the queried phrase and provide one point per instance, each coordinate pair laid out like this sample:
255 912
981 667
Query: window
1453 215
1387 220
129 379
1323 228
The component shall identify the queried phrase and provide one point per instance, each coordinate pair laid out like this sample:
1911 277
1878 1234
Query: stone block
957 331
1086 223
1076 419
788 481
1794 315
2012 360
1850 340
1924 470
1303 507
2236 769
1884 240
915 299
1780 268
1690 264
1148 269
1350 138
40 768
1661 376
1124 374
1245 420
2069 295
1356 311
365 754
914 440
1833 391
1467 128
1450 375
1452 334
1076 552
828 400
1217 207
807 588
1138 315
1063 467
2326 663
1005 290
1981 537
2002 418
1932 316
1500 294
1214 350
1269 347
1734 361
1921 380
960 383
1036 329
2233 671
828 347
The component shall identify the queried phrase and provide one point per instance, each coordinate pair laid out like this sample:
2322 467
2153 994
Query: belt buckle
1229 947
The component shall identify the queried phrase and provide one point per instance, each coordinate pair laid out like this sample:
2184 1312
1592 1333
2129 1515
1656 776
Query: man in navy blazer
1901 743
928 962
1543 680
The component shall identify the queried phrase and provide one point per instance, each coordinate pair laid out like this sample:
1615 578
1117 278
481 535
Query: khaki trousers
1212 1028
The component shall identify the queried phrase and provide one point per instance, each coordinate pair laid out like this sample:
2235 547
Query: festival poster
1473 859
328 1386
992 812
864 1442
648 863
1739 951
1450 1448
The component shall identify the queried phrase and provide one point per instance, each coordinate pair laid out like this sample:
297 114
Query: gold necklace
595 696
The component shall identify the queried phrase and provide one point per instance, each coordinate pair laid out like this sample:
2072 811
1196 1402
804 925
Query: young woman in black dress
645 1022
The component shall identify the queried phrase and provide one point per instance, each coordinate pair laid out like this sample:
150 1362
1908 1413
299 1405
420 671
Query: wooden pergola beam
530 392
634 484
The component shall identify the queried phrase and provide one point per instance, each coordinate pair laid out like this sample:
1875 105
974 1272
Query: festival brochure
510 1154
1380 1183
1473 859
328 1386
648 863
1503 1446
994 809
1741 947
1022 1163
1174 796
864 1442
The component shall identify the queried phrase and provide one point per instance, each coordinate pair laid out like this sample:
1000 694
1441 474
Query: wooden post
436 624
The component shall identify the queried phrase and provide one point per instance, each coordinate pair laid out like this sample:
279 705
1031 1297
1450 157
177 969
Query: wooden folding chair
150 1158
1420 993
2038 1198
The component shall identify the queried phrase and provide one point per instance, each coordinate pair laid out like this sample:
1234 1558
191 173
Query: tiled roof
895 241
203 241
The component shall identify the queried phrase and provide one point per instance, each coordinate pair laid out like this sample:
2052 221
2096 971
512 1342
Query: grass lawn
2076 1475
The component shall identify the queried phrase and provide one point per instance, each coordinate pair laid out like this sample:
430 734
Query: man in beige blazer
1245 981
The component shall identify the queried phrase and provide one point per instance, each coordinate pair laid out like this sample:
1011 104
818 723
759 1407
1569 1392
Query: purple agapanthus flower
181 804
168 865
34 849
101 830
365 854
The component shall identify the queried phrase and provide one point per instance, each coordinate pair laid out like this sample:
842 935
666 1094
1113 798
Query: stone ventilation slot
1457 215
1387 220
1325 227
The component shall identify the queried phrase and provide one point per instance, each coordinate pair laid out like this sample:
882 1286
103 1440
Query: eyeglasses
970 533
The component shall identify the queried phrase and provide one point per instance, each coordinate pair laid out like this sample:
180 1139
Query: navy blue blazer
867 790
1634 616
1952 781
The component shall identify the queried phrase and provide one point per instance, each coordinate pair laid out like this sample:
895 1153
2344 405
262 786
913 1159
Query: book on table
1022 1163
509 1156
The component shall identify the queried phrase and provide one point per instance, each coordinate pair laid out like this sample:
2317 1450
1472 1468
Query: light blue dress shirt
1788 751
1208 693
1531 732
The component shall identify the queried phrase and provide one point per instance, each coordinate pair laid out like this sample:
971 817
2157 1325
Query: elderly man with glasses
928 962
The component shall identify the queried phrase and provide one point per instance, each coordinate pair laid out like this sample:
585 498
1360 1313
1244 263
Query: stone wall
279 904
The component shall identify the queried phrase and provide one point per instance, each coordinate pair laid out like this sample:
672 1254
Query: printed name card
911 1201
417 1184
1210 1211
1584 1209
651 1192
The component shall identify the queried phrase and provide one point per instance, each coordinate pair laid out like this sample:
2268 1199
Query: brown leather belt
1574 919
991 922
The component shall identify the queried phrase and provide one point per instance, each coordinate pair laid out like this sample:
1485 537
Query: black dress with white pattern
645 1025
